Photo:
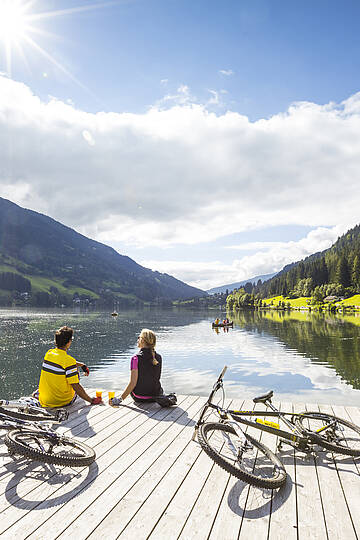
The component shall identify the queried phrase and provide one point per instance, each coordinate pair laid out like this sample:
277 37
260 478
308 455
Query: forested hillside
335 271
45 263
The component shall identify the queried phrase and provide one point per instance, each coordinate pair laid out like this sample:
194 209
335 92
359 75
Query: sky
214 140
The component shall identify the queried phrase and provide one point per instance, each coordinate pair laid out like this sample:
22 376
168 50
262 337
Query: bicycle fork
242 443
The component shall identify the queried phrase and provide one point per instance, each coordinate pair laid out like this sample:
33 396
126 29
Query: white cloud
316 240
182 174
226 72
214 99
269 257
182 97
164 81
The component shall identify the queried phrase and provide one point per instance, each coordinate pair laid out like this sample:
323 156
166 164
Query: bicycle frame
9 421
294 438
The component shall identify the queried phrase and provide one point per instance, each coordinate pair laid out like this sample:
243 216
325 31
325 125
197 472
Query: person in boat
217 321
145 372
59 378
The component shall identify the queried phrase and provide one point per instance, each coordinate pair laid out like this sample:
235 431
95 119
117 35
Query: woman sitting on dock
144 385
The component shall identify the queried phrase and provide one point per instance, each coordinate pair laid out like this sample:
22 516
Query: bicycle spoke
335 434
244 459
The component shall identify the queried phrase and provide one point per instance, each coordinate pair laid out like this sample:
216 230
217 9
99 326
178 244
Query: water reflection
302 357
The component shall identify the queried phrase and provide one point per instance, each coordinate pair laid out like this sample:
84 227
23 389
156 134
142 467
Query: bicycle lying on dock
30 435
230 446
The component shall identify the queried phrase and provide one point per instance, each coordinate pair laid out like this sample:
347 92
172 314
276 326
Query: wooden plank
244 510
147 456
229 515
311 519
124 456
348 475
200 521
257 501
80 414
334 503
353 414
151 480
231 510
109 444
283 521
141 506
25 481
105 429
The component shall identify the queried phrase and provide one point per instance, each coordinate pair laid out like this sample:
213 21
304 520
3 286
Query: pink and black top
148 384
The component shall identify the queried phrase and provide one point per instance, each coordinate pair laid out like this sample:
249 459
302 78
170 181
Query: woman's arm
130 387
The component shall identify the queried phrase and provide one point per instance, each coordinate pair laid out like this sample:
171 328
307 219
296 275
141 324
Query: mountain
334 271
46 263
232 286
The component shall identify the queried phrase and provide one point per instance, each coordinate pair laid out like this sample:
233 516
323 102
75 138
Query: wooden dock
151 481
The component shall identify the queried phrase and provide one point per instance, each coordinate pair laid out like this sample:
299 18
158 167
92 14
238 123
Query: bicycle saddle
265 397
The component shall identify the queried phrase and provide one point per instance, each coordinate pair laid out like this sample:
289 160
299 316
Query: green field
42 284
301 302
305 302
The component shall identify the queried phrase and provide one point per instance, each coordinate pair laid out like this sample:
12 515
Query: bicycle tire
44 416
347 442
260 468
49 448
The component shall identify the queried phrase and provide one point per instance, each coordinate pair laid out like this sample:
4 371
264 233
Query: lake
301 356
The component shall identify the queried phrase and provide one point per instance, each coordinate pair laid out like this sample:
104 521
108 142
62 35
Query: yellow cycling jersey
58 373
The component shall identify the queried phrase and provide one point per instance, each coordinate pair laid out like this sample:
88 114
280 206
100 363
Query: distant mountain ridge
231 286
39 248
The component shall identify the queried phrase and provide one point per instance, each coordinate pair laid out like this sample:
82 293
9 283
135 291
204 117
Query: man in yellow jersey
59 379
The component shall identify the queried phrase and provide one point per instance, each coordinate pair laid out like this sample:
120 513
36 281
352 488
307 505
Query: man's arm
81 392
83 367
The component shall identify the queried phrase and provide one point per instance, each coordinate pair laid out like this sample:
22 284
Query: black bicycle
29 434
239 453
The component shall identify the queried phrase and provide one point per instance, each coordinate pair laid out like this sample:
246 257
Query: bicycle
243 456
29 435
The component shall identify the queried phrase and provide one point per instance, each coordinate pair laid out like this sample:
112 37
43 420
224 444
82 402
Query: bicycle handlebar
10 404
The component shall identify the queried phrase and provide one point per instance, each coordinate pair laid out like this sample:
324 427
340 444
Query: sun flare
12 20
20 31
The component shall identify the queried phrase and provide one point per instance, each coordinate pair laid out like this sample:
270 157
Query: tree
248 287
355 274
343 273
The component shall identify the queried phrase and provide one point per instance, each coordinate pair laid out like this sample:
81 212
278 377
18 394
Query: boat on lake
220 325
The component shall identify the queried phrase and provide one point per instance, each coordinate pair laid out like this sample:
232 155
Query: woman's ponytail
150 339
154 361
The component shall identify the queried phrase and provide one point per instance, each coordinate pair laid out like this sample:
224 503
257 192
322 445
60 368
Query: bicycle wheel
33 415
49 448
257 466
333 433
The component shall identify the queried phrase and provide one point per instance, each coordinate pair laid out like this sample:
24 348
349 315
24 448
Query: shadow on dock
57 478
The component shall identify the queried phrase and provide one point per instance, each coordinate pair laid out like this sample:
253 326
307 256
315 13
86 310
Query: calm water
302 357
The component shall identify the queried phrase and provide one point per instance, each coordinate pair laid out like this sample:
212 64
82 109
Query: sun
12 20
19 30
